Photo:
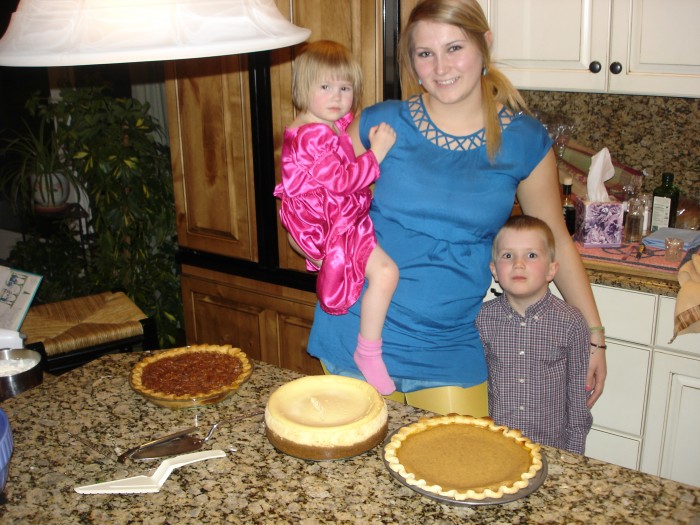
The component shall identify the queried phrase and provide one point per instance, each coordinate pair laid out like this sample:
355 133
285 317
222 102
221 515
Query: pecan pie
191 376
463 458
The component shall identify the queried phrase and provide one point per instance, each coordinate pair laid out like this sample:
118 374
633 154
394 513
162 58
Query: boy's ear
553 269
492 267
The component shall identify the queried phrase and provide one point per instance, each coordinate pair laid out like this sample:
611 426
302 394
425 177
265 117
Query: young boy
536 345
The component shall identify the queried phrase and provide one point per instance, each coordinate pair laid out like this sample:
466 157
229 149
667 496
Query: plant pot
50 192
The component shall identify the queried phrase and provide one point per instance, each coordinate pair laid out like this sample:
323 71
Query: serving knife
153 483
126 455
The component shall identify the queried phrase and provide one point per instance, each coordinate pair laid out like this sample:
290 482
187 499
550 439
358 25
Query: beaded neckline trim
431 132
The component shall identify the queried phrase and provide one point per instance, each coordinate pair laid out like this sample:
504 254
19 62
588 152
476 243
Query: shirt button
521 381
535 318
521 407
522 352
522 323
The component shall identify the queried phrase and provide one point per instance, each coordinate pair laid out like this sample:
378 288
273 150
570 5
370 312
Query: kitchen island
255 483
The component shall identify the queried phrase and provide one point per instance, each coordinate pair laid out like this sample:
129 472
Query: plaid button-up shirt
537 370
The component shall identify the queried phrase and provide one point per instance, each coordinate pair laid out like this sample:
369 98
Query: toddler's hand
381 139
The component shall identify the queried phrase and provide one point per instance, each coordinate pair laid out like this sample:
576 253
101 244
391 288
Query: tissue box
599 223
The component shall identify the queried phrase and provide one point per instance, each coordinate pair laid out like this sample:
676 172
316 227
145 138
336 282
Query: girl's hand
381 139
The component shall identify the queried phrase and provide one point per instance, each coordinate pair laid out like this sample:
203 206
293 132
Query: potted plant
37 174
115 155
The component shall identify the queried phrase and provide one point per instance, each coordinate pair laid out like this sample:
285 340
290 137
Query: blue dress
437 206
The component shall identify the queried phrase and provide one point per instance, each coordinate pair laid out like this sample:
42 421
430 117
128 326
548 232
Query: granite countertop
256 483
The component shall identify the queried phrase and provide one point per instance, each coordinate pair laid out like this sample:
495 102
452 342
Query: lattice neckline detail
451 142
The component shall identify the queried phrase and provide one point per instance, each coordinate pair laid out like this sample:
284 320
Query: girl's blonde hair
495 87
324 59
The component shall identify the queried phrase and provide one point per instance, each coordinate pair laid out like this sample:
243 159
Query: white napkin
601 170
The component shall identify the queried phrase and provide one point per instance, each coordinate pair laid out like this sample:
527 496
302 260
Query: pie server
153 483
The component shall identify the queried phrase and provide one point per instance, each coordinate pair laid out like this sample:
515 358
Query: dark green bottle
664 204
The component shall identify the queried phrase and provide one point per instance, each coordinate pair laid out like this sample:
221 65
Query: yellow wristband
596 329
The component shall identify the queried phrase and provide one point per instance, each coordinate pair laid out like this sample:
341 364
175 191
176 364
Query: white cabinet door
649 47
657 45
670 447
610 447
550 44
627 315
621 407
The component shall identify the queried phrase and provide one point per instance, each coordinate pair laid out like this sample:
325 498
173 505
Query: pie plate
535 483
185 401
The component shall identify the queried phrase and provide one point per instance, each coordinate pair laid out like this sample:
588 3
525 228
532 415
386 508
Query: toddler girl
326 198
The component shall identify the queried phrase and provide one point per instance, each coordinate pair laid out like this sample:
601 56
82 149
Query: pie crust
463 458
191 376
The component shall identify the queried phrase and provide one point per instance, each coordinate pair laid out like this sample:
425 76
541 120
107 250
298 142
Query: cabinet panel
645 42
621 407
613 448
210 136
269 322
549 44
626 314
672 423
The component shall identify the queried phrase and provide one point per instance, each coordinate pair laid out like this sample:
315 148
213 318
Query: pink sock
368 358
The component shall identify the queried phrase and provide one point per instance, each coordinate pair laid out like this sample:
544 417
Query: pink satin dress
325 207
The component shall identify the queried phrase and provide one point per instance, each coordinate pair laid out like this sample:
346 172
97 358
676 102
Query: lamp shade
47 33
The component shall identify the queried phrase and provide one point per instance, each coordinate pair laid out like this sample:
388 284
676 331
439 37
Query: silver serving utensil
129 453
153 483
178 444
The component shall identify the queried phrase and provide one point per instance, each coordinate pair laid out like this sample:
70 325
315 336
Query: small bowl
23 371
6 447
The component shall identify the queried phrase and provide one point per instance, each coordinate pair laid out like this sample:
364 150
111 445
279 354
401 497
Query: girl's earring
484 71
420 82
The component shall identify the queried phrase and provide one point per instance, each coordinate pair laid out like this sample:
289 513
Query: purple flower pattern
599 223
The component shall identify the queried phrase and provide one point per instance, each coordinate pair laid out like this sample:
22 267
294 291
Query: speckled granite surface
655 134
257 484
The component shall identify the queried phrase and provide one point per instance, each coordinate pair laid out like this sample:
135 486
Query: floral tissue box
599 223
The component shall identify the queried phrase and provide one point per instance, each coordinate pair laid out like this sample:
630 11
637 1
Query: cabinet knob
594 67
616 68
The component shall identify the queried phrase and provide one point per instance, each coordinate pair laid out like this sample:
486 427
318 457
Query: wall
653 133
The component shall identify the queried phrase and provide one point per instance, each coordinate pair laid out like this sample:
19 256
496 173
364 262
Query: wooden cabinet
269 322
211 152
621 46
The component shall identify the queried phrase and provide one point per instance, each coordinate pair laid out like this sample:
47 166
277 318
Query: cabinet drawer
626 314
613 448
621 407
664 330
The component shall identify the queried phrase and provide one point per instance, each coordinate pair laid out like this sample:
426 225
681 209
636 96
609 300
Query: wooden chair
73 332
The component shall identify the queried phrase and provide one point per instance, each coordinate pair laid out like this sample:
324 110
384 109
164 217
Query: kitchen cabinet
646 47
672 426
210 141
269 322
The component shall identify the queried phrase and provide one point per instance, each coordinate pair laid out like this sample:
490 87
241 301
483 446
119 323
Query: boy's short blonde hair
324 58
526 223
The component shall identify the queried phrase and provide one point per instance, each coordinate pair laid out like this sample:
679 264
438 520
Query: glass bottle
646 199
568 206
632 232
665 203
